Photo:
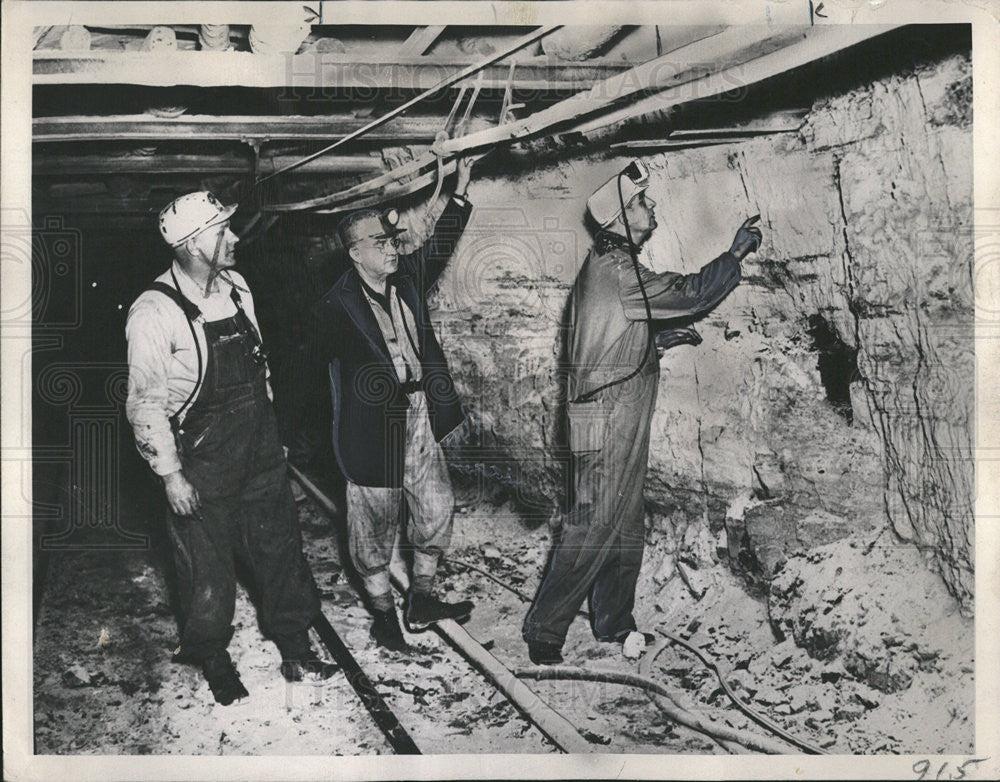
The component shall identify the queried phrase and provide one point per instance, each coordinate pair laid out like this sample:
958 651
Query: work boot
423 610
308 667
387 632
223 679
544 653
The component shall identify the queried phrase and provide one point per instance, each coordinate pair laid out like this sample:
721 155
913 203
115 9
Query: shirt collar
194 291
378 298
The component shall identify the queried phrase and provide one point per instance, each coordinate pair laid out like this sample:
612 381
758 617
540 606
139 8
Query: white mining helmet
605 204
190 214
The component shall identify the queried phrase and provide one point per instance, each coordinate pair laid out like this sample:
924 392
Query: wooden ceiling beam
420 41
303 71
75 165
205 127
700 70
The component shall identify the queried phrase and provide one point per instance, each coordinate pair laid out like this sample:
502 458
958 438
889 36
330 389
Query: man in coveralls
393 403
199 404
613 375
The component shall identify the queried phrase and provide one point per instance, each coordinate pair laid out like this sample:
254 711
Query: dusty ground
105 681
877 594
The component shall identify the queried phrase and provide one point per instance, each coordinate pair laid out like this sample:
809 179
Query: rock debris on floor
852 677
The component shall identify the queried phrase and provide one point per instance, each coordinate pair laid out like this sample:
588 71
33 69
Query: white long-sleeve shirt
163 361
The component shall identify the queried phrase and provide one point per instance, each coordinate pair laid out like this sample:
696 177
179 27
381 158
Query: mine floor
105 683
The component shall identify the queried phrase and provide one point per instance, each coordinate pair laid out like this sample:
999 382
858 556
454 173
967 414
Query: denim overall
231 453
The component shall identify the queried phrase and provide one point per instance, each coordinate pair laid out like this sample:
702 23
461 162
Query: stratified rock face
834 388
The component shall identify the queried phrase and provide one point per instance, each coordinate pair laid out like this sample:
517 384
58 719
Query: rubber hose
675 711
651 655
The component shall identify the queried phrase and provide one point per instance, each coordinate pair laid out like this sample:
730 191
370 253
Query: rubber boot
423 610
387 632
223 679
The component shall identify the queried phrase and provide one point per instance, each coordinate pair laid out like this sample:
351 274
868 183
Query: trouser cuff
425 564
535 633
619 634
377 583
293 646
202 648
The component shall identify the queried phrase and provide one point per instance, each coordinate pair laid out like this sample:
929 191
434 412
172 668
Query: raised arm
673 295
429 261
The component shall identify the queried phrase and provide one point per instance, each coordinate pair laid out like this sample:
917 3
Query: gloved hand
671 338
748 239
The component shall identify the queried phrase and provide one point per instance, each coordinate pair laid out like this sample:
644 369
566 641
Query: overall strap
189 308
243 318
192 313
258 352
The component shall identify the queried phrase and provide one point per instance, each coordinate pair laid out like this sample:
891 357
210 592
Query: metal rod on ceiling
541 32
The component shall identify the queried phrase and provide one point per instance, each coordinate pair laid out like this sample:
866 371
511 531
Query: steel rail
383 716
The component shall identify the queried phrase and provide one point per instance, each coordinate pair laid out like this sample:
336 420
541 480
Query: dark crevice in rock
838 365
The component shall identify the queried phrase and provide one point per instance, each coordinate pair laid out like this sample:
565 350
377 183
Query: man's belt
411 386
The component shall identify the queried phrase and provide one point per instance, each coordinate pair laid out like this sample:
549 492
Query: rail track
557 730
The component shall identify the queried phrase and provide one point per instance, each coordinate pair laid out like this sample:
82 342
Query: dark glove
671 338
748 239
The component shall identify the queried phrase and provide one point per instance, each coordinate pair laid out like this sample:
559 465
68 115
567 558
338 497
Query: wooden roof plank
421 40
72 165
197 127
303 71
707 68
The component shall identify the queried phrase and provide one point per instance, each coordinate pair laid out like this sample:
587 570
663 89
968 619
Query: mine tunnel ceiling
126 118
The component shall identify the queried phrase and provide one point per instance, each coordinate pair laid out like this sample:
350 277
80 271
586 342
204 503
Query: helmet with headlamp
606 203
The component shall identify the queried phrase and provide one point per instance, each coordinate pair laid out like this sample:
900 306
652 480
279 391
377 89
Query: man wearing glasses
393 403
200 406
621 315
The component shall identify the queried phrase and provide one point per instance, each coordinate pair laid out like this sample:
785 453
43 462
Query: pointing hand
748 238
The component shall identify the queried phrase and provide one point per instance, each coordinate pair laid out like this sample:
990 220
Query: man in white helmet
200 406
621 315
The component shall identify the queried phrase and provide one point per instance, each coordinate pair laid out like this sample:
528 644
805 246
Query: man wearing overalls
200 405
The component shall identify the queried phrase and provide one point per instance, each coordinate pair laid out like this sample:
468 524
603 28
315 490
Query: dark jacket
369 405
608 315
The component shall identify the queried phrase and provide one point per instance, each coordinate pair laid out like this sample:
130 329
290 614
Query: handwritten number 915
921 767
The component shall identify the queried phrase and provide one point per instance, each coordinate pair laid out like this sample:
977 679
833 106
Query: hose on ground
650 656
673 710
760 719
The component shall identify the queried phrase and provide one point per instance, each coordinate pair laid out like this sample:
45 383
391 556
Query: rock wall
833 391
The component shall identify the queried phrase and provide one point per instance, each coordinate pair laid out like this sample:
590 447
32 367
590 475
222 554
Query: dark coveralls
600 547
231 453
